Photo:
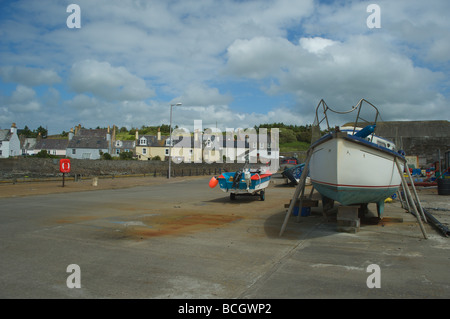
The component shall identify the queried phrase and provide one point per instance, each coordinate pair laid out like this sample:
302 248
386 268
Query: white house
9 142
56 147
27 145
88 143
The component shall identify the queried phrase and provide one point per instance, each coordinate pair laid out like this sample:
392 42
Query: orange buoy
213 182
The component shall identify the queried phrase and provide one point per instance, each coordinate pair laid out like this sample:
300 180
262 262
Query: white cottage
88 143
9 142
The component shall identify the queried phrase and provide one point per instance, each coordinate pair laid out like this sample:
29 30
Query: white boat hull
353 171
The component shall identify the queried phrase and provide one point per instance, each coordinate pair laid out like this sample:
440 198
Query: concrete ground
180 239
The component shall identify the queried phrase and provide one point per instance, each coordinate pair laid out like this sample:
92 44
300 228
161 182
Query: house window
117 151
74 151
144 151
143 141
167 152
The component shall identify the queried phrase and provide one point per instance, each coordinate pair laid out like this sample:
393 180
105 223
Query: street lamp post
170 136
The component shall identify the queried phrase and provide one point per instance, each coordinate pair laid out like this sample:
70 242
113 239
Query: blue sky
230 63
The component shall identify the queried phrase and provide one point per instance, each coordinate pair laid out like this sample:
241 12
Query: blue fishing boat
243 182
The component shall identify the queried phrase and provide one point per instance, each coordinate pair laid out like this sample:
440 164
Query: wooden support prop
300 205
298 190
311 193
400 197
408 194
407 205
415 195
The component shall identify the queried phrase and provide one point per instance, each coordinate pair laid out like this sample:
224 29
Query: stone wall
32 167
419 138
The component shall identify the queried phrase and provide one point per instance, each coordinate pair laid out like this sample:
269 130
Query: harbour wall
425 139
32 167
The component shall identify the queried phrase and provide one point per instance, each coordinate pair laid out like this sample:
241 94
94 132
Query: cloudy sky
230 63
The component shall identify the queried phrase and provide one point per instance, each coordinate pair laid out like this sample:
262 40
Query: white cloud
29 76
23 100
315 44
342 72
260 57
198 94
107 82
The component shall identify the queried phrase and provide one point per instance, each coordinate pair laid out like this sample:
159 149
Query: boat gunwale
357 140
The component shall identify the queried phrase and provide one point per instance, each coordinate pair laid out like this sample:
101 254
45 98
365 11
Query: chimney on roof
137 134
71 134
13 128
159 134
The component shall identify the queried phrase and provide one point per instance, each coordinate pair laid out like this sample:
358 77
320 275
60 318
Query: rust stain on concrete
160 225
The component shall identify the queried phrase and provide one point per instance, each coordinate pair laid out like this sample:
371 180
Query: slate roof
126 144
51 144
5 135
152 141
87 138
28 143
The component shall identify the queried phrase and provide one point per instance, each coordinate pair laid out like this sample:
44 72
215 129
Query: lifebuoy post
64 167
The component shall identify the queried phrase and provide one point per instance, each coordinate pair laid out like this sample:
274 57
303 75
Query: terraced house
88 143
150 146
53 146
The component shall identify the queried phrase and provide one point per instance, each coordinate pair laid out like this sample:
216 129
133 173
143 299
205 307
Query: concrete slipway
181 239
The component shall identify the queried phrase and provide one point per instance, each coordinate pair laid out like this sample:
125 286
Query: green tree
41 130
27 132
43 154
106 156
287 136
126 155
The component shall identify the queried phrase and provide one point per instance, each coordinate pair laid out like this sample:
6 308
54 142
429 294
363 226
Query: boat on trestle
352 165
